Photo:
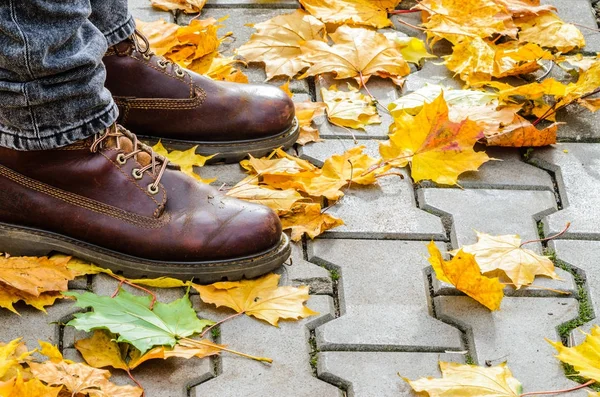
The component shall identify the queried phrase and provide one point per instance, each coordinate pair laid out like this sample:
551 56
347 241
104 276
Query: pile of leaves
129 329
21 374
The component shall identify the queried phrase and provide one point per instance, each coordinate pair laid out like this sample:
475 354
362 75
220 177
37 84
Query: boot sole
233 151
23 241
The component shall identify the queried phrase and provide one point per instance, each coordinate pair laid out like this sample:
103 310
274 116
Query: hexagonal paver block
383 298
576 168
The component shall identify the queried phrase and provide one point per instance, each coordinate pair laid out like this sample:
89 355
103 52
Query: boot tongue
126 145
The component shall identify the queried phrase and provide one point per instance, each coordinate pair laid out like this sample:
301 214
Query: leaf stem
553 110
395 12
221 322
411 25
123 280
585 27
203 343
567 226
533 393
136 382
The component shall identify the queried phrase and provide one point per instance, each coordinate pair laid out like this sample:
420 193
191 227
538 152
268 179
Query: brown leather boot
158 99
114 202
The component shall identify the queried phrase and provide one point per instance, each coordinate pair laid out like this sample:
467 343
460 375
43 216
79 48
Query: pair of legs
76 182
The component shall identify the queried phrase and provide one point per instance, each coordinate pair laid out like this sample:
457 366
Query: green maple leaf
131 318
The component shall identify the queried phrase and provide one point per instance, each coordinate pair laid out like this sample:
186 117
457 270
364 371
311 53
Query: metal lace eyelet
121 159
162 64
137 174
152 189
146 57
180 73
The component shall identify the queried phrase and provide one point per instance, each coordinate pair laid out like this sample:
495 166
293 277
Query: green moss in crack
586 311
540 230
469 359
528 153
215 332
314 353
335 275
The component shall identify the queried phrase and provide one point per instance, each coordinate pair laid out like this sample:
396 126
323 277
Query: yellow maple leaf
183 349
460 380
549 31
464 273
437 148
352 12
584 358
278 43
182 44
187 6
186 160
280 201
80 378
221 68
309 219
505 254
18 387
525 7
588 82
357 53
9 296
9 356
306 112
35 275
350 109
261 298
51 351
413 50
456 21
478 60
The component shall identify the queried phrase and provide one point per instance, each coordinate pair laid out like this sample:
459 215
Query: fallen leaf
309 219
219 68
30 388
525 7
9 357
413 50
521 133
35 275
51 351
464 273
306 112
357 53
505 254
187 6
9 296
101 350
414 101
436 148
456 21
350 109
549 31
459 380
186 160
132 318
353 12
80 378
278 43
261 298
588 82
584 357
183 349
280 201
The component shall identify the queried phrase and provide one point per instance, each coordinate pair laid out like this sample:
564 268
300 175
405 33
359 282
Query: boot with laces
113 201
159 100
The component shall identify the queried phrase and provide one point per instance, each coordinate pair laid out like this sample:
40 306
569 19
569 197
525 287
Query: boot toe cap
276 111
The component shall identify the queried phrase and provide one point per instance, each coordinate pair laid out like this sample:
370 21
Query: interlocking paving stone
289 375
489 211
580 124
515 334
386 210
383 298
33 325
576 166
302 272
584 257
141 9
236 22
376 374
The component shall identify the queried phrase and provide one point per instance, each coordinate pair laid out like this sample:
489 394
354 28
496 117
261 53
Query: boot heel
20 243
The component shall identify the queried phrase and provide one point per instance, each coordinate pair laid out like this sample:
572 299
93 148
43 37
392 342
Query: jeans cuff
121 32
64 136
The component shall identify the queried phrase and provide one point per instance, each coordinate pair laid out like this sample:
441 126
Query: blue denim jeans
51 73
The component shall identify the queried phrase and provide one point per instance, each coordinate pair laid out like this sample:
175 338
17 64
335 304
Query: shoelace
158 163
147 53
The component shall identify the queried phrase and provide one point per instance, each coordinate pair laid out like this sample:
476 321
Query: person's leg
51 74
113 19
